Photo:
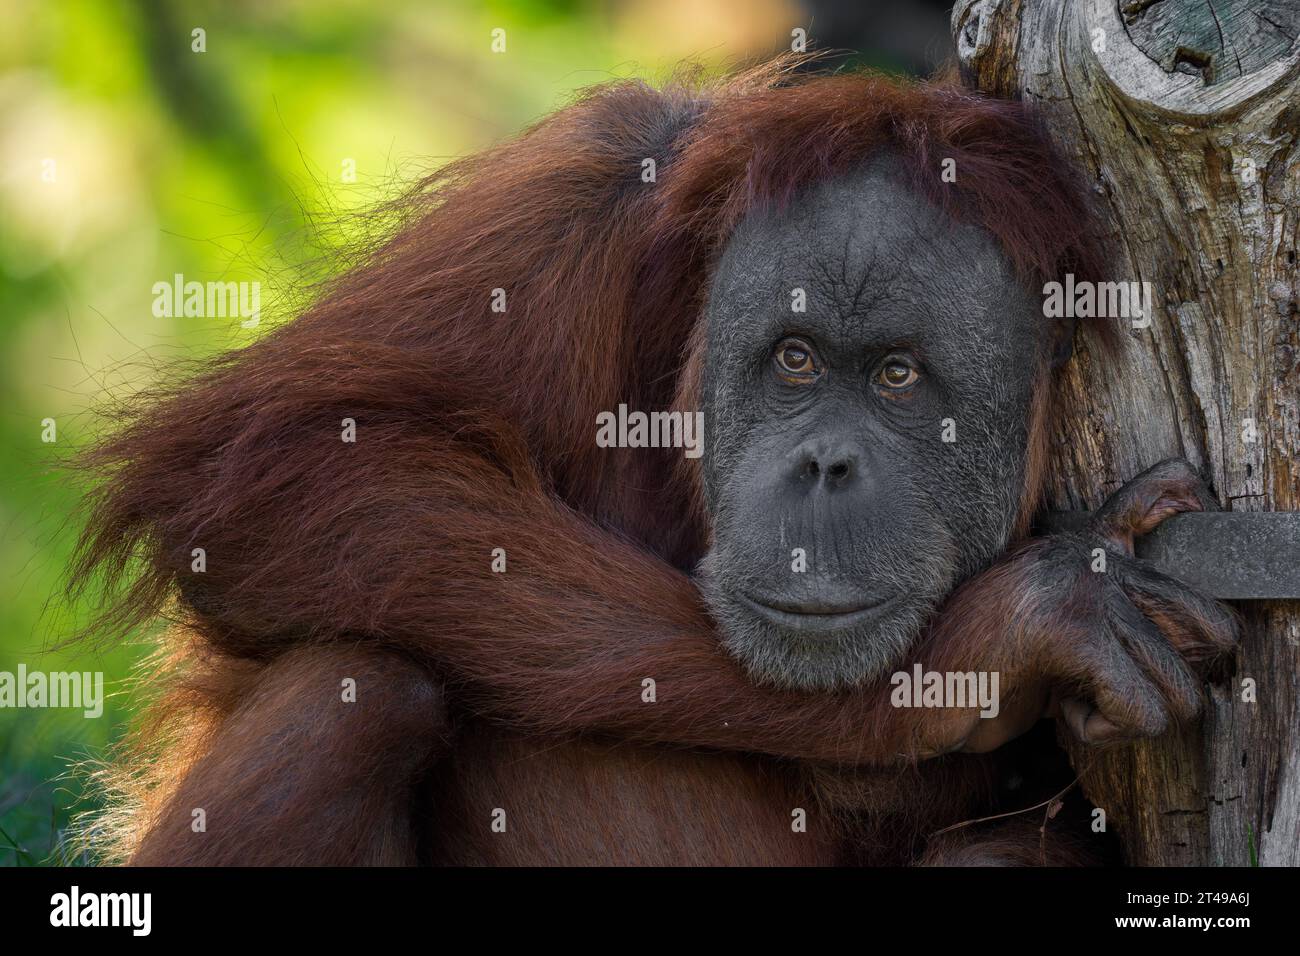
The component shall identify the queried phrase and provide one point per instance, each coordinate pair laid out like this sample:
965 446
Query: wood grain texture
1184 115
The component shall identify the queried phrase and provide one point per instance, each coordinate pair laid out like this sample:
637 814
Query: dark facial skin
824 429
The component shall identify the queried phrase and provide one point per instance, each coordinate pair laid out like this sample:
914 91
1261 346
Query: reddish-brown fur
475 431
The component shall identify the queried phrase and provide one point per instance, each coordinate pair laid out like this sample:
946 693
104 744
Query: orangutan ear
1063 341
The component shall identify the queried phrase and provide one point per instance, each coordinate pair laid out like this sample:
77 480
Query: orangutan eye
796 361
897 375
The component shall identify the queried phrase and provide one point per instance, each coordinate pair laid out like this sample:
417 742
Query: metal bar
1233 555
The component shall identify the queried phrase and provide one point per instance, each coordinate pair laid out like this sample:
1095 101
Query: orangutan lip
814 617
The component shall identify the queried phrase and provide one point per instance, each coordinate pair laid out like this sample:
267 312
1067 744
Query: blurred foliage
127 157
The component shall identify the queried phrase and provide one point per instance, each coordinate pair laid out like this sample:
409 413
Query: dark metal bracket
1233 555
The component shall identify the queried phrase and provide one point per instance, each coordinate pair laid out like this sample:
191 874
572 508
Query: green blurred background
127 157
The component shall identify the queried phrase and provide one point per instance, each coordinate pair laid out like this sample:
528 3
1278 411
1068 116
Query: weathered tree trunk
1185 116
